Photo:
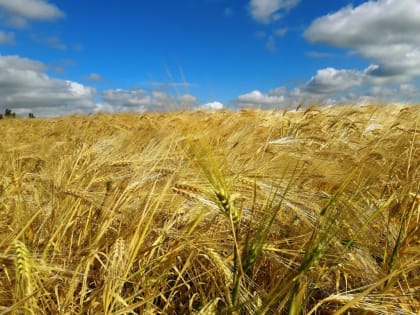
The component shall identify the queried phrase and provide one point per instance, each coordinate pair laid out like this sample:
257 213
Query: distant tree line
8 113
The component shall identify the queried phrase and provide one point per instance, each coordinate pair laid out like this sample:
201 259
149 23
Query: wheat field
313 211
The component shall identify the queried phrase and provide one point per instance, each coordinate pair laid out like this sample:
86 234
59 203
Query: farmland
314 211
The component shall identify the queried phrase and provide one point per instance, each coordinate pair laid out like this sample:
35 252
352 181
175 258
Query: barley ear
25 286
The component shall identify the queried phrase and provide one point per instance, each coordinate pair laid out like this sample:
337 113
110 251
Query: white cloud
24 85
332 86
78 90
395 93
23 10
105 108
162 101
274 98
120 100
131 100
7 38
20 64
282 97
408 89
187 101
332 81
328 93
265 11
212 106
383 31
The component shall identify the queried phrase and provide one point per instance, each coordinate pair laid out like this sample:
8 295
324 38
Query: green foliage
9 114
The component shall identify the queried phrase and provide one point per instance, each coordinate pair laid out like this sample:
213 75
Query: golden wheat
307 211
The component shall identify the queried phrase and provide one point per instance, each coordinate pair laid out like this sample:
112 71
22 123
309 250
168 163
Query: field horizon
315 211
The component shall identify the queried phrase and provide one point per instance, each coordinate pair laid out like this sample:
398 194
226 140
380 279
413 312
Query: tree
31 115
7 112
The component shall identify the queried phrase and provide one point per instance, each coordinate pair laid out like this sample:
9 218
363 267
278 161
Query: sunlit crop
249 212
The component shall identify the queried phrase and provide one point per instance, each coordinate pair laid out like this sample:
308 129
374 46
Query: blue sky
63 57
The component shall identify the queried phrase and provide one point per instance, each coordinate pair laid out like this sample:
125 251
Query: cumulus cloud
130 100
187 101
256 98
212 106
161 101
327 92
332 86
408 89
383 31
140 100
19 11
396 93
24 85
20 64
331 81
265 11
7 38
281 97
